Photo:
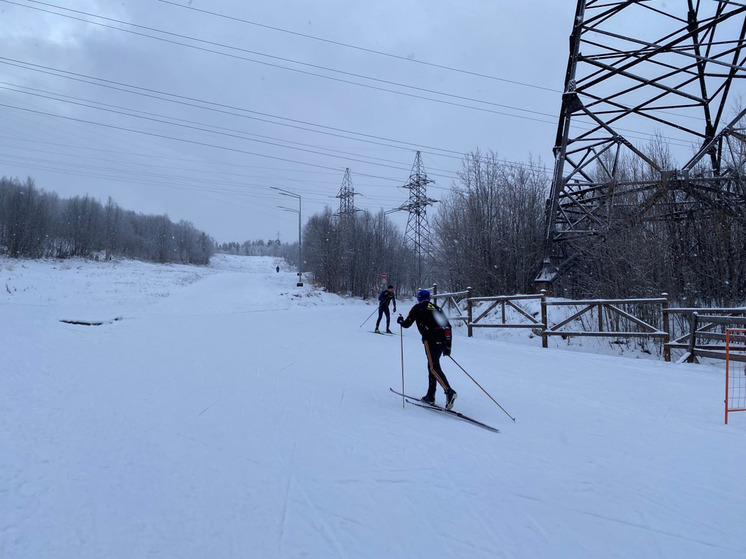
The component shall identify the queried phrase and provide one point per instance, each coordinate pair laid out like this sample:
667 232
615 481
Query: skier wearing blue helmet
436 337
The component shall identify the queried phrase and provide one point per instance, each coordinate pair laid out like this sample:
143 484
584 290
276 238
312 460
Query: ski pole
480 386
401 340
367 319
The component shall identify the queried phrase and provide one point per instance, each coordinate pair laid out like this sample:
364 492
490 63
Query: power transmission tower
417 232
346 201
346 231
637 67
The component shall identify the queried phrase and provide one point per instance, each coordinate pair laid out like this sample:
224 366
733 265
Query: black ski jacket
431 322
385 298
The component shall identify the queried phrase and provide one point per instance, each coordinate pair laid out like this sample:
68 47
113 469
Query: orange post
735 379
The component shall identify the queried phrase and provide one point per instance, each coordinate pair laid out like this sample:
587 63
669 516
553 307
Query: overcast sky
195 108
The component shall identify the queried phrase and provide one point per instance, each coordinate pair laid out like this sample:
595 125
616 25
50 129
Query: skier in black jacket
383 307
436 337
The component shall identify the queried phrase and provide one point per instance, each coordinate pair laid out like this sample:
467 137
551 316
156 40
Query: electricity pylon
417 232
346 197
346 229
636 66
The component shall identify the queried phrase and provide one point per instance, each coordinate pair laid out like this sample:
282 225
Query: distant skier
277 269
383 307
436 337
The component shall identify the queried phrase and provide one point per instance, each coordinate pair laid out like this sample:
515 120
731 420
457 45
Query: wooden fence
607 318
694 331
707 333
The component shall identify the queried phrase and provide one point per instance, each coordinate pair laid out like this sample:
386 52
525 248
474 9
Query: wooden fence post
692 341
544 337
469 310
666 329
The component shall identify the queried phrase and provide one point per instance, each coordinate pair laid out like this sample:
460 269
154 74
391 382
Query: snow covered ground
223 412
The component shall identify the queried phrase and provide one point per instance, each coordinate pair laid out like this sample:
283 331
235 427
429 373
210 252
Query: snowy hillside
223 412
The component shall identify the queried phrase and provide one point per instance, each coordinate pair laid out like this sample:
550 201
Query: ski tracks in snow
297 499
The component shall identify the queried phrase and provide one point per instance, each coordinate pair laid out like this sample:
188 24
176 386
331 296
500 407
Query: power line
239 111
146 179
192 125
315 74
293 61
362 49
180 160
262 54
221 108
153 29
171 181
194 142
146 92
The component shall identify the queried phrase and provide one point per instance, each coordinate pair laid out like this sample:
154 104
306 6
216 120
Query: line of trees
489 234
255 248
349 256
38 224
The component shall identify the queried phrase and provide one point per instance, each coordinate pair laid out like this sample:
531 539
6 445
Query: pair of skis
435 407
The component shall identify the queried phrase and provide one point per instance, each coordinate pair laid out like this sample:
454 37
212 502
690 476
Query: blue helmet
423 295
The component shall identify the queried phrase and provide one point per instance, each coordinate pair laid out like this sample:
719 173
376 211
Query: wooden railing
460 306
706 334
618 318
522 318
607 317
453 304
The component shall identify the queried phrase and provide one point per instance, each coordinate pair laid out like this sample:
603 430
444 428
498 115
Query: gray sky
170 109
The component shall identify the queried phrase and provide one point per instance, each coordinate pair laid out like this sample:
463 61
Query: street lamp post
384 213
300 221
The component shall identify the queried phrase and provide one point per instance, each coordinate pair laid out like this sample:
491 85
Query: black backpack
438 326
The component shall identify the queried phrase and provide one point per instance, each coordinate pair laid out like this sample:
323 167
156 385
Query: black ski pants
435 374
384 309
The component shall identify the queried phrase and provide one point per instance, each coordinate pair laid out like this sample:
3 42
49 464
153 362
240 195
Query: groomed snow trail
228 413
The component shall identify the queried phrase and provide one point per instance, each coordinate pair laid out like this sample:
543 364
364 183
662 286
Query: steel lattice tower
636 67
346 200
346 228
417 232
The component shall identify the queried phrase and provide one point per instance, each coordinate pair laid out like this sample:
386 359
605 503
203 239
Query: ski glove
447 351
400 319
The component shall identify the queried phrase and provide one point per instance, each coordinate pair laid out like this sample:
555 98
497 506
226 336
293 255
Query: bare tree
489 228
35 224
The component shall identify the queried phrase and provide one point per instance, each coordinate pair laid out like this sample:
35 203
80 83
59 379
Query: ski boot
428 399
450 398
